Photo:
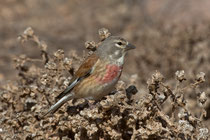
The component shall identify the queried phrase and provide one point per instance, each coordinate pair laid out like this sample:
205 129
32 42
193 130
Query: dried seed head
51 65
29 31
153 84
203 133
20 61
59 54
67 63
103 33
200 77
90 45
157 77
180 75
202 98
185 126
182 114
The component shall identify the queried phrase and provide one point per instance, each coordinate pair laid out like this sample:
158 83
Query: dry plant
123 114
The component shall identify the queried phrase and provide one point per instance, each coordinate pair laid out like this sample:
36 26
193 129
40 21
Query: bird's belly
98 85
96 91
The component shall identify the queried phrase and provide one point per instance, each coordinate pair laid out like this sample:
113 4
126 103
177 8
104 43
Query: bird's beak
129 47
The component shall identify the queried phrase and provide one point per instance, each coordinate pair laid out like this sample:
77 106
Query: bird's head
114 47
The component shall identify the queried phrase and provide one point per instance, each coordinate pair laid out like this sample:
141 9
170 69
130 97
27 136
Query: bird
98 74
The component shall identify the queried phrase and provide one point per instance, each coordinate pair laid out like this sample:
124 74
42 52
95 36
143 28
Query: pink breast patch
112 71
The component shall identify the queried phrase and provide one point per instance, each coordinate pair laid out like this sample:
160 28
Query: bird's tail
59 103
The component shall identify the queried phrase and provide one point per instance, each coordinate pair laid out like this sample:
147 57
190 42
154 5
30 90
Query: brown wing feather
86 66
82 72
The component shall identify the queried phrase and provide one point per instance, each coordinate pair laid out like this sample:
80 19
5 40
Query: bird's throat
119 60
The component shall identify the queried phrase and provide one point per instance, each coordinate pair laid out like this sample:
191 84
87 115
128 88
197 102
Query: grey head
114 48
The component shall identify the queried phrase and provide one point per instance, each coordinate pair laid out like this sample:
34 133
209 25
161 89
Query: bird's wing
83 72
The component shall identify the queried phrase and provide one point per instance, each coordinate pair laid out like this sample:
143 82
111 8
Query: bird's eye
119 43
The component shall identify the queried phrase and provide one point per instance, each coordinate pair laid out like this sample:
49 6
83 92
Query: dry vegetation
163 92
123 114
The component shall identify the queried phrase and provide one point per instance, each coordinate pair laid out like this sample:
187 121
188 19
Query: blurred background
169 35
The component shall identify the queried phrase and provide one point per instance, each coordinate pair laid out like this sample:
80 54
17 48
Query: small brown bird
98 74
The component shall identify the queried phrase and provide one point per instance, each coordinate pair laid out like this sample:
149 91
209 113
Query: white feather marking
118 45
117 52
120 60
59 103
